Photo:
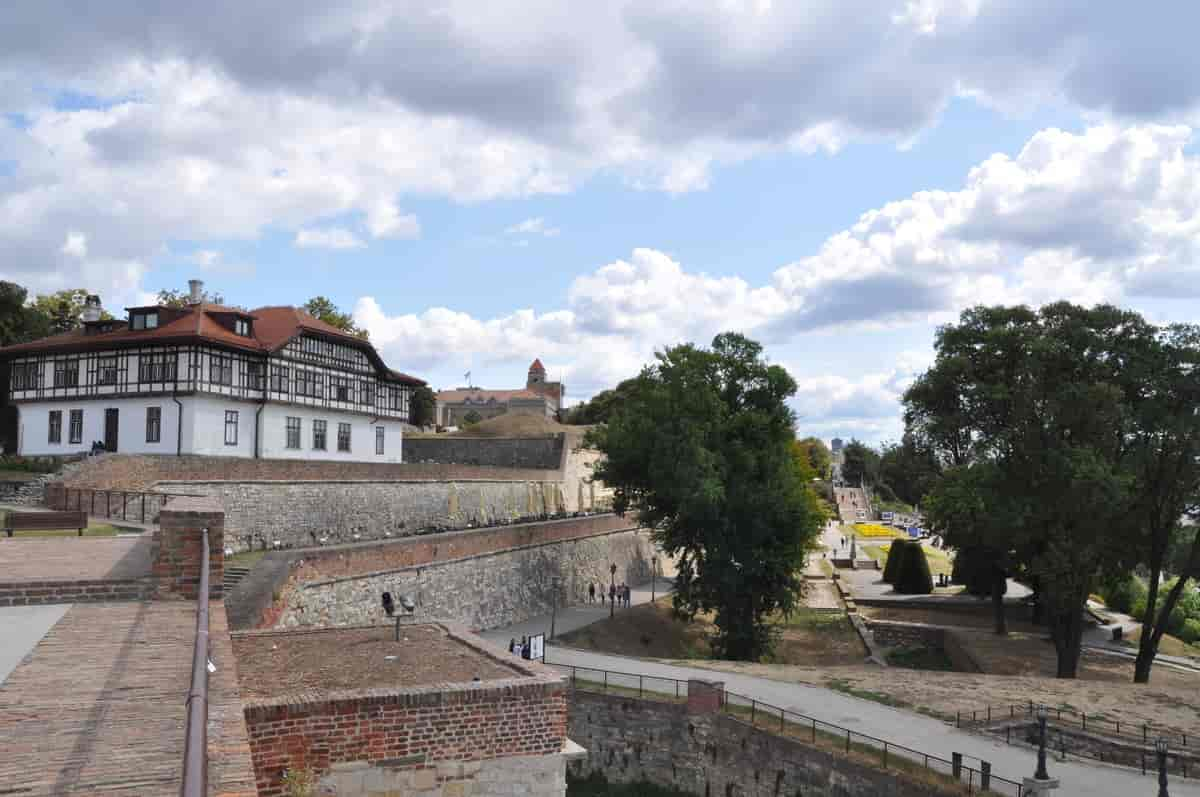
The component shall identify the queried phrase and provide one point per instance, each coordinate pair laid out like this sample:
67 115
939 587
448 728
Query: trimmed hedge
914 576
892 566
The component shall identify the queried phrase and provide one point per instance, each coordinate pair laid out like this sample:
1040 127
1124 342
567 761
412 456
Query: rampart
672 745
545 452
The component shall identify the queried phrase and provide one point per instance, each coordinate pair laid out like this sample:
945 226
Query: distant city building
538 397
835 445
207 379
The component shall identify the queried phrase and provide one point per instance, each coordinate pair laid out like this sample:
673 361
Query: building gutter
258 412
178 423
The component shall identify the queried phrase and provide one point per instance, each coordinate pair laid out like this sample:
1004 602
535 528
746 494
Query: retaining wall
889 633
630 740
509 452
481 591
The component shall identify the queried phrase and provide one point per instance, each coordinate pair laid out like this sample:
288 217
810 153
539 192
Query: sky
486 183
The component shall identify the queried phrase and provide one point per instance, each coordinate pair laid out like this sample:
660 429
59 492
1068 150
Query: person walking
524 647
612 594
628 595
601 595
591 592
512 645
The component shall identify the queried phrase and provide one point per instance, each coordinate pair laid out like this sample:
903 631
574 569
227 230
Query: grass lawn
245 558
807 636
939 561
1168 645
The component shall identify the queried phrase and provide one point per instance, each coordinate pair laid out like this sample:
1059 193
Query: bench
45 521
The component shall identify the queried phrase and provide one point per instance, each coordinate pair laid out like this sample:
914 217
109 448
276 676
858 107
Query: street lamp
1041 773
653 575
1160 746
612 593
554 581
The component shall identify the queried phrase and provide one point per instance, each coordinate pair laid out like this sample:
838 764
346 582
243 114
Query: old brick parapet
411 728
705 697
179 547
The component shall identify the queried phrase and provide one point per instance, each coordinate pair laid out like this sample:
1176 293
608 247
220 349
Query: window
66 373
156 368
279 378
365 393
55 427
106 371
231 427
220 369
75 431
242 327
254 375
144 320
25 376
343 437
153 424
293 432
340 388
379 440
318 435
310 383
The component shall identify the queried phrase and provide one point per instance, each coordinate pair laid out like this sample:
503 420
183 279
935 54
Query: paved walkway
99 704
73 558
21 628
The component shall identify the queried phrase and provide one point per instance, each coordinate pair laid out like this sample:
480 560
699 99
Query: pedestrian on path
512 645
602 595
612 594
591 592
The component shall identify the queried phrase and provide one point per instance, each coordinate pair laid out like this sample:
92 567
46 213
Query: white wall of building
204 426
34 425
362 435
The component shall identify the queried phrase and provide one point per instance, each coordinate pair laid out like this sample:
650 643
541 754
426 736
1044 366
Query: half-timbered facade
207 379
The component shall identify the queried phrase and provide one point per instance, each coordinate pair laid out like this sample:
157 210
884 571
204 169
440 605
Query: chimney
91 309
195 291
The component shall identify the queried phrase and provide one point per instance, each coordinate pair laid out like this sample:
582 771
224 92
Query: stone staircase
33 492
233 576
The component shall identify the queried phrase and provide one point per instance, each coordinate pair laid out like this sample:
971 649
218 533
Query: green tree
471 418
422 406
599 407
909 469
860 464
175 298
19 322
702 451
820 458
324 309
63 310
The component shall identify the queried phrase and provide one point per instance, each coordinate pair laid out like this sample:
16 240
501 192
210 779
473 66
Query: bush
973 569
1138 610
914 576
1191 632
1121 595
895 555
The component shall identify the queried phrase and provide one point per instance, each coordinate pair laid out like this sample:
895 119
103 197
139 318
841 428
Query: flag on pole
468 376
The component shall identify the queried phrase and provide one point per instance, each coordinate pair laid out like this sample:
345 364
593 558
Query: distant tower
537 374
835 444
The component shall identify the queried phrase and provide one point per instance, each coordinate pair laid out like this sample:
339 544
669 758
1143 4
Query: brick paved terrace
99 706
74 558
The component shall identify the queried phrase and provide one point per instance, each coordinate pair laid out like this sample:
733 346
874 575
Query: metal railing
977 779
1132 732
195 745
135 505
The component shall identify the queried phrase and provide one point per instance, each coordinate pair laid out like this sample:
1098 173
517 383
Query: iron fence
136 505
972 773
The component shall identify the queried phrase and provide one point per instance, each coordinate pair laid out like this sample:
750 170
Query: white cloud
205 258
327 238
534 226
75 245
385 220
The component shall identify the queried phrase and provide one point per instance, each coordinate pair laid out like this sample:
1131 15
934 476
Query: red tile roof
272 328
537 365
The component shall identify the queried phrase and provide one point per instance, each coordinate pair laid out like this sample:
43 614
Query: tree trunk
1148 644
999 582
1068 640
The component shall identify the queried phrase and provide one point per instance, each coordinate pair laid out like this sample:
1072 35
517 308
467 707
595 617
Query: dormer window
241 327
144 320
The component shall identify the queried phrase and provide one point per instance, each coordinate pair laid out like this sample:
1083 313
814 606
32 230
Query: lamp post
612 593
1160 747
554 582
1041 773
653 575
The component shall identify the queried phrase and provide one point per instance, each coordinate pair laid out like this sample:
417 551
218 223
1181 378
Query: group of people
618 594
521 648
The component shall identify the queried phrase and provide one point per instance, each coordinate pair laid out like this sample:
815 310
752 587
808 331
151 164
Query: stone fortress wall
498 580
630 740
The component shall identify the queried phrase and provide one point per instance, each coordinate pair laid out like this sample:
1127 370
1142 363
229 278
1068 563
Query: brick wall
417 730
480 591
506 452
631 740
179 548
31 593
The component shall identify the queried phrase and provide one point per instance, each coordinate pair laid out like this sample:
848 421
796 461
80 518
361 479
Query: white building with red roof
274 382
538 397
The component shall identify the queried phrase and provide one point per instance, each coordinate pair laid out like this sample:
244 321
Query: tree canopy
323 308
599 407
171 297
820 458
701 448
422 406
860 464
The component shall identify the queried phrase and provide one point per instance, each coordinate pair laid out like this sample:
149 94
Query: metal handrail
1096 722
99 502
195 745
976 779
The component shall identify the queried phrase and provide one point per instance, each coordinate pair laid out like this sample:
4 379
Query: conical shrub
892 566
914 576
